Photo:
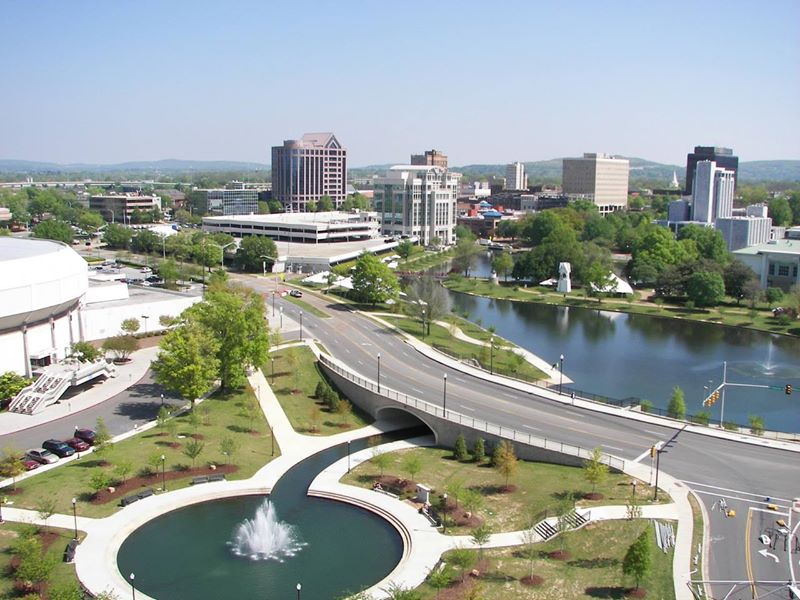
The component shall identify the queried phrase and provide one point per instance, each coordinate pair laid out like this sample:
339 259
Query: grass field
728 313
295 381
540 487
593 570
233 415
501 360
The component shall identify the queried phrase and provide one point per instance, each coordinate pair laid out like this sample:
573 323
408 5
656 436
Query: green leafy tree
479 450
780 211
736 277
11 465
710 243
192 449
122 469
146 241
65 591
168 271
756 424
252 251
595 471
705 288
412 465
102 437
188 362
426 294
404 248
234 316
773 295
12 384
503 263
381 460
455 489
228 447
85 352
460 449
463 559
439 579
373 281
90 221
130 326
480 536
472 499
121 346
35 565
325 204
505 460
396 591
465 252
638 559
677 404
117 237
162 417
53 229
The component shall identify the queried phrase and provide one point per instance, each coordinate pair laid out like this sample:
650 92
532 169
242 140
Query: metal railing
507 433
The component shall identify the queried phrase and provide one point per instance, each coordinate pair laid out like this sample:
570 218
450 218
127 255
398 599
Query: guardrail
508 433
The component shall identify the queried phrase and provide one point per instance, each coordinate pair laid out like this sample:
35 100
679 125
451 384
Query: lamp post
560 372
444 397
281 312
2 501
272 361
633 491
133 589
348 456
273 304
379 372
423 322
491 355
301 325
272 439
144 318
162 399
299 587
163 473
75 517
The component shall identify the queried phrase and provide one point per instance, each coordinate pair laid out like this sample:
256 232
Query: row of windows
783 270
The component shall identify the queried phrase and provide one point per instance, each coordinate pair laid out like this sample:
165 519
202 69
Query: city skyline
195 81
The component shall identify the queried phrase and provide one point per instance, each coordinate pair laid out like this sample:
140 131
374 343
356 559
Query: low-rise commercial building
120 207
601 178
777 263
313 228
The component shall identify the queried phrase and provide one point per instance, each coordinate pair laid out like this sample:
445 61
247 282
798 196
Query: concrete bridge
446 425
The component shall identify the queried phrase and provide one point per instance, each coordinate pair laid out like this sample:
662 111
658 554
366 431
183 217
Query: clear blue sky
485 82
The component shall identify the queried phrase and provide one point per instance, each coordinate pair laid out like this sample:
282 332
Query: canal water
625 355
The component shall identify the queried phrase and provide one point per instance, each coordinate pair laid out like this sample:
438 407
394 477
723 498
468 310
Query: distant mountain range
543 170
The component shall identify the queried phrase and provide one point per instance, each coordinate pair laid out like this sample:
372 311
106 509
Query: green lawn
420 261
728 313
502 360
231 415
540 487
295 381
63 573
593 569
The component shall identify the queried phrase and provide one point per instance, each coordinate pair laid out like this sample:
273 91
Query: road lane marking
653 432
642 455
736 491
750 500
470 409
532 428
613 447
748 560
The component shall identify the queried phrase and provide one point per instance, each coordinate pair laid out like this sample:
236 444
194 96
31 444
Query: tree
412 465
756 424
344 409
710 243
439 579
373 281
480 537
228 447
117 237
35 565
99 480
705 288
505 460
677 404
254 251
188 362
65 591
121 346
102 437
192 449
145 241
168 271
404 248
638 558
465 252
12 384
53 229
46 508
773 295
380 460
398 592
780 211
130 326
84 352
90 221
426 294
503 263
463 559
122 469
325 204
595 471
234 316
529 539
472 500
479 450
314 417
162 417
12 465
460 449
455 489
736 276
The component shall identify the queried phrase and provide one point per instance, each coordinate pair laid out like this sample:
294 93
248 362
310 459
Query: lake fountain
264 537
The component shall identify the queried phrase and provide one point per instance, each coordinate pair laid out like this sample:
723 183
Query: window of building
783 271
771 269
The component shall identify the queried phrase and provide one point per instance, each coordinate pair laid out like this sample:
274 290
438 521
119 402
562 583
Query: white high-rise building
599 177
712 193
419 201
515 177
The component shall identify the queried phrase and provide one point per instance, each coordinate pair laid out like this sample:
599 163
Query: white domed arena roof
38 278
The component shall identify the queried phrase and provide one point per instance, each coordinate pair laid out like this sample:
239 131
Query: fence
452 416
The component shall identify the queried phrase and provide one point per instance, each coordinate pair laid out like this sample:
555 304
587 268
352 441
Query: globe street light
163 473
301 325
379 372
272 361
444 397
75 517
133 589
348 456
144 318
561 372
491 355
281 312
299 587
423 322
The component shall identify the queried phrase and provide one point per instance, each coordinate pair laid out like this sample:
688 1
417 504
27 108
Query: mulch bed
532 580
135 484
593 496
458 516
559 555
397 485
47 538
636 593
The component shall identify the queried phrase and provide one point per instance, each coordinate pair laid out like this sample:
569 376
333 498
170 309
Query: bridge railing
435 410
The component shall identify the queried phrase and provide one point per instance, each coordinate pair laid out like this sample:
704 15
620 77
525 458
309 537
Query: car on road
87 435
41 456
296 294
58 448
30 464
77 444
147 270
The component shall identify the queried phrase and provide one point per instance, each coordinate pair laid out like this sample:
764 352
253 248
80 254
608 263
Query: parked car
30 464
58 448
87 435
147 270
41 456
77 444
296 294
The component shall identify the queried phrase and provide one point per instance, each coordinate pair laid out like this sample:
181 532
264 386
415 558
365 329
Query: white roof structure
615 286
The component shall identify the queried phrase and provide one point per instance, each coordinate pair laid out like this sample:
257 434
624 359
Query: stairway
549 527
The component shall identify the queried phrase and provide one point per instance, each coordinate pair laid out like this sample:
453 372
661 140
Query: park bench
69 551
200 479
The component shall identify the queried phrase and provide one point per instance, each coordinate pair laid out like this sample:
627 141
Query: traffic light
653 451
788 389
712 398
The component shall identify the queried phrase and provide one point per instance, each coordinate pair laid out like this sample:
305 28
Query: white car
147 270
41 456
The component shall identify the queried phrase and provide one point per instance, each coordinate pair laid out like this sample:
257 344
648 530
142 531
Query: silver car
42 456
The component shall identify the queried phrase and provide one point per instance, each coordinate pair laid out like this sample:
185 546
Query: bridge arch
405 418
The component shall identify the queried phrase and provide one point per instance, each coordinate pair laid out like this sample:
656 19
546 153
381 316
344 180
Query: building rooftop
12 248
774 247
304 218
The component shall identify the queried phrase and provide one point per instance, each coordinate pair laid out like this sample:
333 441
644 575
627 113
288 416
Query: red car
77 444
30 465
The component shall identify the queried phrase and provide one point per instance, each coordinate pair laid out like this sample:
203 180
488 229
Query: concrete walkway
127 375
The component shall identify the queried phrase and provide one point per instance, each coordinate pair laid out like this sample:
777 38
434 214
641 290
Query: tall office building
722 156
431 158
515 177
418 200
308 169
712 195
601 178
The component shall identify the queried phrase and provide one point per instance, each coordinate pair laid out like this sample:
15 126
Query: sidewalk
127 375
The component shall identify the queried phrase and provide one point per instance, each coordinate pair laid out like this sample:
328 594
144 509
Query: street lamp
273 303
423 322
133 589
299 587
163 473
144 318
301 325
2 501
280 310
561 372
444 397
272 361
162 399
491 355
348 456
379 372
75 517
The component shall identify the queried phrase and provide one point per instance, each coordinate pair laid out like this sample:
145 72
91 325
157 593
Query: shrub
702 418
479 450
756 424
646 406
460 449
730 426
